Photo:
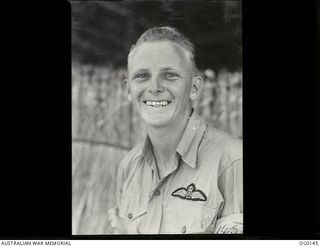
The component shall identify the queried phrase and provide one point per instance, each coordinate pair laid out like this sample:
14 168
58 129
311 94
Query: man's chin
156 122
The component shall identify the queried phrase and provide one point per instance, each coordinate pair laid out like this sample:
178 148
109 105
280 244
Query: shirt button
183 229
157 193
130 216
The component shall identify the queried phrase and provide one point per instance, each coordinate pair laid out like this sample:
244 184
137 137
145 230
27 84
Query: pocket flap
132 208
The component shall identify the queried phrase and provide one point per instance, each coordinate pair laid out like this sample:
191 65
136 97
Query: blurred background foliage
105 124
103 32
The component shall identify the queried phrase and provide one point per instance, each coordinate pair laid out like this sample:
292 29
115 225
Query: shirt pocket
132 210
184 216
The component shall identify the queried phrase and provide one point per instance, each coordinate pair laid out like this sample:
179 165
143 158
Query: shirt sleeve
230 218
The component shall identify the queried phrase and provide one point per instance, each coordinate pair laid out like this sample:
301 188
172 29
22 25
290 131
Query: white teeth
157 103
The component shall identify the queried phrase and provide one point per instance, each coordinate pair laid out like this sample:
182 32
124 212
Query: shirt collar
147 150
191 138
188 145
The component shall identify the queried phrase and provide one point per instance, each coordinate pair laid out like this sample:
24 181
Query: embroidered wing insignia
190 193
181 192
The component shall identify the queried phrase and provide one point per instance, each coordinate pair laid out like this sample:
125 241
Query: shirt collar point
191 162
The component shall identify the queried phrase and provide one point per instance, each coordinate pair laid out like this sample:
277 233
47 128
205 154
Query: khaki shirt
202 193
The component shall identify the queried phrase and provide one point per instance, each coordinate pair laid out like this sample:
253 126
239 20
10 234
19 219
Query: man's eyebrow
169 68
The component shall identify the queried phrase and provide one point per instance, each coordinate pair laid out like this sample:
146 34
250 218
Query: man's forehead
166 52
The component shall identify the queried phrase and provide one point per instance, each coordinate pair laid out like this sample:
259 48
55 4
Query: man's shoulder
224 142
131 155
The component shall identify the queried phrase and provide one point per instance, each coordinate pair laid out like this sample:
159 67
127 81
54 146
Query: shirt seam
229 166
222 147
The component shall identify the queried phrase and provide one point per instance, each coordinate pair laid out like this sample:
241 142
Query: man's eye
142 76
170 76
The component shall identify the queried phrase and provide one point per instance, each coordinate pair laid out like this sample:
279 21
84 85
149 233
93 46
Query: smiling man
185 177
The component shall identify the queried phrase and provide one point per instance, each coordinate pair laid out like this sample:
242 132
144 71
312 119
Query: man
185 177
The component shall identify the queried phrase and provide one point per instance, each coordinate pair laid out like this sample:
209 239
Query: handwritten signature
225 229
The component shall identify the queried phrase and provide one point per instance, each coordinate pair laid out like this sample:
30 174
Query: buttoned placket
156 196
158 183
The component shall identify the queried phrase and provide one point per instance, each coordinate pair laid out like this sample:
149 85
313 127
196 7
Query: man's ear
125 85
197 87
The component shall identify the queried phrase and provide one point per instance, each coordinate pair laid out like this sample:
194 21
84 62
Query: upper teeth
157 103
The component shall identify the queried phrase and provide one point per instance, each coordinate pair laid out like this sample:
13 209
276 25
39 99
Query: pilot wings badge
190 193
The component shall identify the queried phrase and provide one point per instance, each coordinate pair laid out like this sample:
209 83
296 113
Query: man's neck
166 140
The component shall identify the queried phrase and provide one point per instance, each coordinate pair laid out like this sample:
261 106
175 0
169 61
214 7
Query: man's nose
155 85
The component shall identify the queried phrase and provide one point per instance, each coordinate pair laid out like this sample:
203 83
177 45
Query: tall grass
105 125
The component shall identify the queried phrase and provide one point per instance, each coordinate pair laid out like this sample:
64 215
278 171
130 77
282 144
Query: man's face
160 80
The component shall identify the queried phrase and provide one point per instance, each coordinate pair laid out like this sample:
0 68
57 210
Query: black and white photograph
157 117
152 120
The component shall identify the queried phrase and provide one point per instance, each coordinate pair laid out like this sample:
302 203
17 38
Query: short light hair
166 34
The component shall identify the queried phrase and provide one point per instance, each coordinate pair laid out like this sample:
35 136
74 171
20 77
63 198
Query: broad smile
157 103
